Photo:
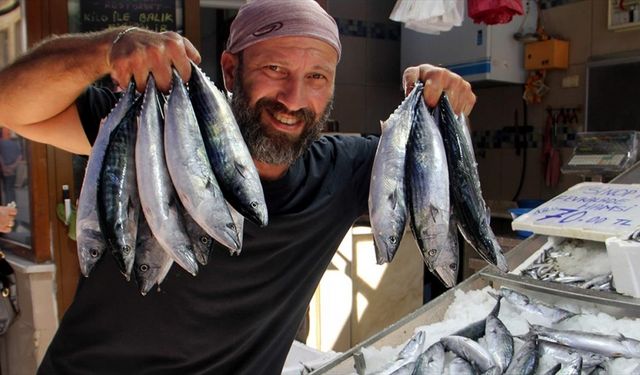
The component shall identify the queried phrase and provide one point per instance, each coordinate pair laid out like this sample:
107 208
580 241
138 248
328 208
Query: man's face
283 95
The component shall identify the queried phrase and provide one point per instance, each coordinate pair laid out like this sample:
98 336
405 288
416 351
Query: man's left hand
436 80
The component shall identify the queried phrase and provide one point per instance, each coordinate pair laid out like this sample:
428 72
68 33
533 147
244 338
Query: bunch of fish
569 352
424 172
546 268
167 177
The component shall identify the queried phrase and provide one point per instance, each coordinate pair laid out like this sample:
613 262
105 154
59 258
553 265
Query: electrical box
546 54
477 52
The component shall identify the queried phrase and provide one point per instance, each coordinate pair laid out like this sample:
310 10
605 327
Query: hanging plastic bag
494 12
432 17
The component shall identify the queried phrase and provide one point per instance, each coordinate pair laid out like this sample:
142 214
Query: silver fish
431 361
387 198
523 302
572 368
90 241
413 347
477 329
118 202
190 171
566 354
473 352
460 366
525 360
152 262
499 342
608 345
427 191
404 361
469 205
238 220
202 242
229 156
158 198
446 265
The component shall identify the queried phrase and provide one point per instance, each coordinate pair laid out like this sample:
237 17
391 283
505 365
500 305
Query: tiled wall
368 81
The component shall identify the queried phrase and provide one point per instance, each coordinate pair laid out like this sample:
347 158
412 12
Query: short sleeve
93 105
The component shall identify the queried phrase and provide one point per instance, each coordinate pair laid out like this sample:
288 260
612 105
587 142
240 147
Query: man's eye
317 76
274 68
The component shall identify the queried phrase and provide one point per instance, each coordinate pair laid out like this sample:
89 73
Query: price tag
590 210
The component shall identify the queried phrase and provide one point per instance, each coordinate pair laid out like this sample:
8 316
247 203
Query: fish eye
231 226
393 240
453 266
254 204
94 253
204 239
126 249
144 268
432 252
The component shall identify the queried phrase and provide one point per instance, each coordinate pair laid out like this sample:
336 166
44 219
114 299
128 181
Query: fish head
387 245
448 274
146 276
91 246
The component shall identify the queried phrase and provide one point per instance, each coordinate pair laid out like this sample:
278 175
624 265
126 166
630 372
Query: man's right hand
138 52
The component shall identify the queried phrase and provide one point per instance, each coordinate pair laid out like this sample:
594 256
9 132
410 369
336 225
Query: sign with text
156 15
590 210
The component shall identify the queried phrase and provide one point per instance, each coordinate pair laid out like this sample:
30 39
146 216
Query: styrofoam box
624 257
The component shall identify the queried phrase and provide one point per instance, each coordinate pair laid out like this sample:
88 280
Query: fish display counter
473 300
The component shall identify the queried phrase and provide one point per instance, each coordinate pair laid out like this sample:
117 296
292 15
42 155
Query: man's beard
271 146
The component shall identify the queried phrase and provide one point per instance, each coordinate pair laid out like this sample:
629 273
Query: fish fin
240 169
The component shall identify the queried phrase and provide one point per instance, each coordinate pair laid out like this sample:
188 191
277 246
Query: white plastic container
624 257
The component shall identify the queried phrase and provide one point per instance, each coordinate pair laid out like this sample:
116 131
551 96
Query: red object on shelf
494 12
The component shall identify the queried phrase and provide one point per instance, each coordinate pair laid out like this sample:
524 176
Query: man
240 314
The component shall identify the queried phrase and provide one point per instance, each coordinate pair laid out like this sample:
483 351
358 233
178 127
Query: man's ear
228 62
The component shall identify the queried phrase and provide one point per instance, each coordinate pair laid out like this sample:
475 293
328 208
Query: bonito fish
158 198
427 189
118 202
387 197
469 205
473 352
152 262
90 241
228 154
523 302
190 171
431 361
608 345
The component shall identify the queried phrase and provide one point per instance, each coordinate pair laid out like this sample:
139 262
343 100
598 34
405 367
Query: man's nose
293 94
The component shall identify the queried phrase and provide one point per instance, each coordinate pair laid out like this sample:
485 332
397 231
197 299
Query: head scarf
260 20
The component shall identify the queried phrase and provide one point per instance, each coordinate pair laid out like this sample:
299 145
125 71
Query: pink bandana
260 20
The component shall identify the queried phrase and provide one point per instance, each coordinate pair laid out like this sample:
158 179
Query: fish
387 196
158 198
117 196
91 243
228 153
468 203
431 361
238 220
427 193
446 264
565 353
404 362
477 329
525 360
572 368
190 171
460 366
499 342
202 242
553 370
151 262
524 303
471 351
608 345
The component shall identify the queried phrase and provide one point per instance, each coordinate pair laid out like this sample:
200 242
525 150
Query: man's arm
39 90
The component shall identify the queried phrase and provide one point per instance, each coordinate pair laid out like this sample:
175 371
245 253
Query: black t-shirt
239 314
